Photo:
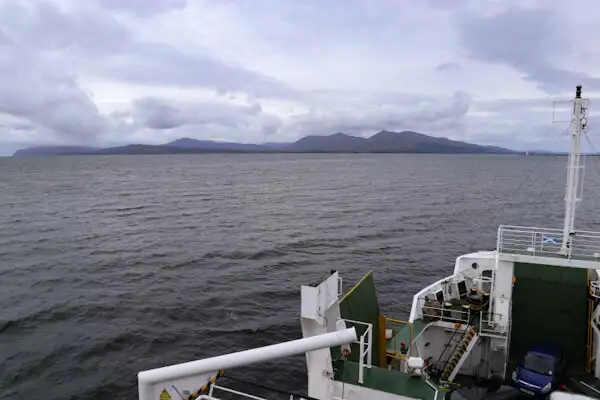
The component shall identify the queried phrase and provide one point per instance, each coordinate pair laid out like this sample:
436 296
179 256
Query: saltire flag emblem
549 240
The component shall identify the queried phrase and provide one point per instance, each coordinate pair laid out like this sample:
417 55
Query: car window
539 364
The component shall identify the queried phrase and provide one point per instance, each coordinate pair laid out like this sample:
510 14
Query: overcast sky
110 72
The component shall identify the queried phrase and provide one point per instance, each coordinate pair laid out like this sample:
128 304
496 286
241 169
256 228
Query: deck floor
403 335
393 344
384 380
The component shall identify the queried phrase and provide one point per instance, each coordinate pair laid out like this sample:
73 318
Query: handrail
502 332
225 389
447 346
395 336
368 333
443 317
211 396
548 242
460 341
595 289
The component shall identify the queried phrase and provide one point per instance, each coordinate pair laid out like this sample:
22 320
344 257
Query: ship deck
393 344
361 304
385 380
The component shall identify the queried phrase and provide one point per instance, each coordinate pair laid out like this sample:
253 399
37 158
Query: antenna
575 168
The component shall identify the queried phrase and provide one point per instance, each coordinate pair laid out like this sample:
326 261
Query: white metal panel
310 302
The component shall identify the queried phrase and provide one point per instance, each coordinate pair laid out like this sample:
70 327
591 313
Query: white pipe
146 379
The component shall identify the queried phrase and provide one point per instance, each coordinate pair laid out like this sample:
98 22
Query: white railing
548 242
595 289
482 281
447 314
368 336
224 389
214 386
491 327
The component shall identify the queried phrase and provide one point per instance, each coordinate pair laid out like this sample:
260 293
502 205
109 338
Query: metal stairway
460 354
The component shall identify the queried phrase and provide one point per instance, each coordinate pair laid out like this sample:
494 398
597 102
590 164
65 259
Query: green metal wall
361 304
550 304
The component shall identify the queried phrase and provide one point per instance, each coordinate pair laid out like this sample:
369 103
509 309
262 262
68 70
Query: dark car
539 372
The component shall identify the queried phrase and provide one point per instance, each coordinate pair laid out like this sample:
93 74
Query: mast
574 169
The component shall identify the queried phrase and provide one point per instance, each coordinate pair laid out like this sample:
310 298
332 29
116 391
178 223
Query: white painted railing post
361 361
369 352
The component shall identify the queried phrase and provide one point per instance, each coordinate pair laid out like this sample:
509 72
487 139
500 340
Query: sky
114 72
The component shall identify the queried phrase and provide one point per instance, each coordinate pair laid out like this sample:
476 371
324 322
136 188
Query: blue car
540 370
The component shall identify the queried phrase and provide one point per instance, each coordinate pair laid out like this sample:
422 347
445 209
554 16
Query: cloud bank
108 72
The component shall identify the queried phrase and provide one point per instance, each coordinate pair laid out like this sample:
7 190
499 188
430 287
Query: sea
110 265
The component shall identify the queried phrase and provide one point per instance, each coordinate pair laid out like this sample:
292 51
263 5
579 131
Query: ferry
520 320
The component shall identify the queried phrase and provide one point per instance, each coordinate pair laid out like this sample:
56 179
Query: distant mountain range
382 142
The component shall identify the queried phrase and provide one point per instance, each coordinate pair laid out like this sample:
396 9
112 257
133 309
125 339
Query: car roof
549 349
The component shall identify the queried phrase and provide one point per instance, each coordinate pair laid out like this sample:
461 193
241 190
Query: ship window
487 273
462 288
440 296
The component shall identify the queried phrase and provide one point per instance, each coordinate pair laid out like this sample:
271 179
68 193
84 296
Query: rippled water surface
112 265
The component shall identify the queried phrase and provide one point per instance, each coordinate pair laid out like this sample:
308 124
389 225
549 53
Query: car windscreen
539 363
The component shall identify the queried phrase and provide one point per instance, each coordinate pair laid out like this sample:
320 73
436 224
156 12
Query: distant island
382 142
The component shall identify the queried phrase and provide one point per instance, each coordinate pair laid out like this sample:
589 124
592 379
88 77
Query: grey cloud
525 124
159 114
444 4
527 40
448 67
22 127
97 42
524 39
144 8
43 26
35 88
427 114
4 39
153 63
543 107
43 49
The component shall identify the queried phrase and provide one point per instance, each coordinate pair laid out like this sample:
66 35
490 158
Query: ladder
460 355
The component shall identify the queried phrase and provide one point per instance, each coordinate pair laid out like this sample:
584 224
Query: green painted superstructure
550 304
